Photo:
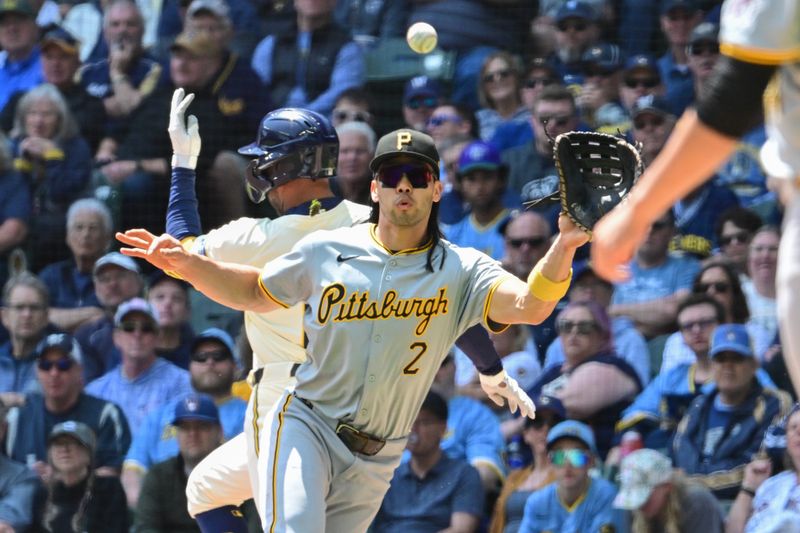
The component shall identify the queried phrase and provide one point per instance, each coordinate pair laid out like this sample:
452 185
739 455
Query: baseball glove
595 172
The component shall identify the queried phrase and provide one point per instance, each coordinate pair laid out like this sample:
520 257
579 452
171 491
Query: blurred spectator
628 342
56 162
142 382
473 430
15 207
162 505
60 373
353 105
678 18
60 63
706 446
213 371
696 217
170 300
661 499
652 123
531 171
73 301
20 63
577 29
311 63
421 96
640 78
499 94
116 279
759 289
576 501
764 503
25 302
432 491
227 96
77 498
125 78
448 121
482 182
719 281
599 99
593 384
657 282
735 227
356 148
702 54
522 482
372 20
18 486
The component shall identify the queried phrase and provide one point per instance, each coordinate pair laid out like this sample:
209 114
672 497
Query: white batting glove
501 388
185 140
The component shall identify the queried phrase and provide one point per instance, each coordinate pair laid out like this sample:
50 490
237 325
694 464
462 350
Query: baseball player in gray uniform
383 303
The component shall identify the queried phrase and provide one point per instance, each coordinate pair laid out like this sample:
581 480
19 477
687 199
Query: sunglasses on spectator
598 72
718 286
499 75
581 327
742 237
416 103
555 120
141 327
577 458
575 25
342 115
31 308
62 365
216 355
438 120
723 358
655 121
647 83
532 83
703 323
541 421
700 49
418 175
533 242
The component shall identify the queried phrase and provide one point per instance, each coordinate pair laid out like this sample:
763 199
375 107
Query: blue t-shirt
718 417
647 284
473 433
157 440
484 238
678 81
591 513
19 75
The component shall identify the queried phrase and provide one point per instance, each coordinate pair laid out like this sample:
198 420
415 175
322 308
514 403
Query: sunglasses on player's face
418 175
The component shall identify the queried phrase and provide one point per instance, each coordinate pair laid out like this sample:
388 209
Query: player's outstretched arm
232 285
516 301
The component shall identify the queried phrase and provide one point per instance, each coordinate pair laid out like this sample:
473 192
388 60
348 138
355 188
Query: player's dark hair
741 217
436 405
701 298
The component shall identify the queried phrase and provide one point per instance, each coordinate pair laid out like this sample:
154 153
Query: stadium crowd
663 403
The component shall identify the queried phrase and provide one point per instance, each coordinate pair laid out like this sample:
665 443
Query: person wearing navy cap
162 503
678 18
575 501
599 97
640 77
576 30
421 95
652 120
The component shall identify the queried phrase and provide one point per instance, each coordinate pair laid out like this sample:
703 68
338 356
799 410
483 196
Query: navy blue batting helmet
291 143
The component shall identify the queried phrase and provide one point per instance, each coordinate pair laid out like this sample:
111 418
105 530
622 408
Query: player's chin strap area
356 441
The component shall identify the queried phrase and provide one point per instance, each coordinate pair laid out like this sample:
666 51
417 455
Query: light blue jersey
592 513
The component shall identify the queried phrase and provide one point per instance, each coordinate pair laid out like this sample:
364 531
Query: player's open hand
502 388
184 134
164 252
614 241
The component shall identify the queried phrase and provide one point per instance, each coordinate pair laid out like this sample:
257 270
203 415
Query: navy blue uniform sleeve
183 218
475 342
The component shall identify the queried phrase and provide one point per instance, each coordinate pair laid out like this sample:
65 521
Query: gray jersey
378 324
276 336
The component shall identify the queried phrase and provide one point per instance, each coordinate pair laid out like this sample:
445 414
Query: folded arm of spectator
652 318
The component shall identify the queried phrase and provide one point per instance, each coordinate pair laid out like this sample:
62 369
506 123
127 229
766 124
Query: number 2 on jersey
410 369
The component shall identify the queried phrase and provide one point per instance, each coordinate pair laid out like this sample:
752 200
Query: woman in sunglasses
499 93
576 501
593 384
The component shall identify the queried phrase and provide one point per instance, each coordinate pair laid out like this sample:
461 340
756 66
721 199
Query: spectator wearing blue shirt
432 491
18 486
24 313
311 63
73 301
170 299
678 18
20 62
15 207
59 370
142 382
576 501
657 283
116 279
213 370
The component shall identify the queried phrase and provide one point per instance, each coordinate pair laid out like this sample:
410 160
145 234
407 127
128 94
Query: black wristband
748 491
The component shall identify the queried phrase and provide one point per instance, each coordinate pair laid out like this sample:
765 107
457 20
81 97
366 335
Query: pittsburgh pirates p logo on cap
406 142
403 138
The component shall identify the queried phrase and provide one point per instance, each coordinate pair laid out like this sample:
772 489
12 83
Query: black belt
259 373
356 441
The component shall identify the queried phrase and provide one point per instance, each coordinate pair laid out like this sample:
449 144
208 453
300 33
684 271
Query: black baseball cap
406 142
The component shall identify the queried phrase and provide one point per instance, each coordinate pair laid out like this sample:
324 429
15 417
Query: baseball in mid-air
421 37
